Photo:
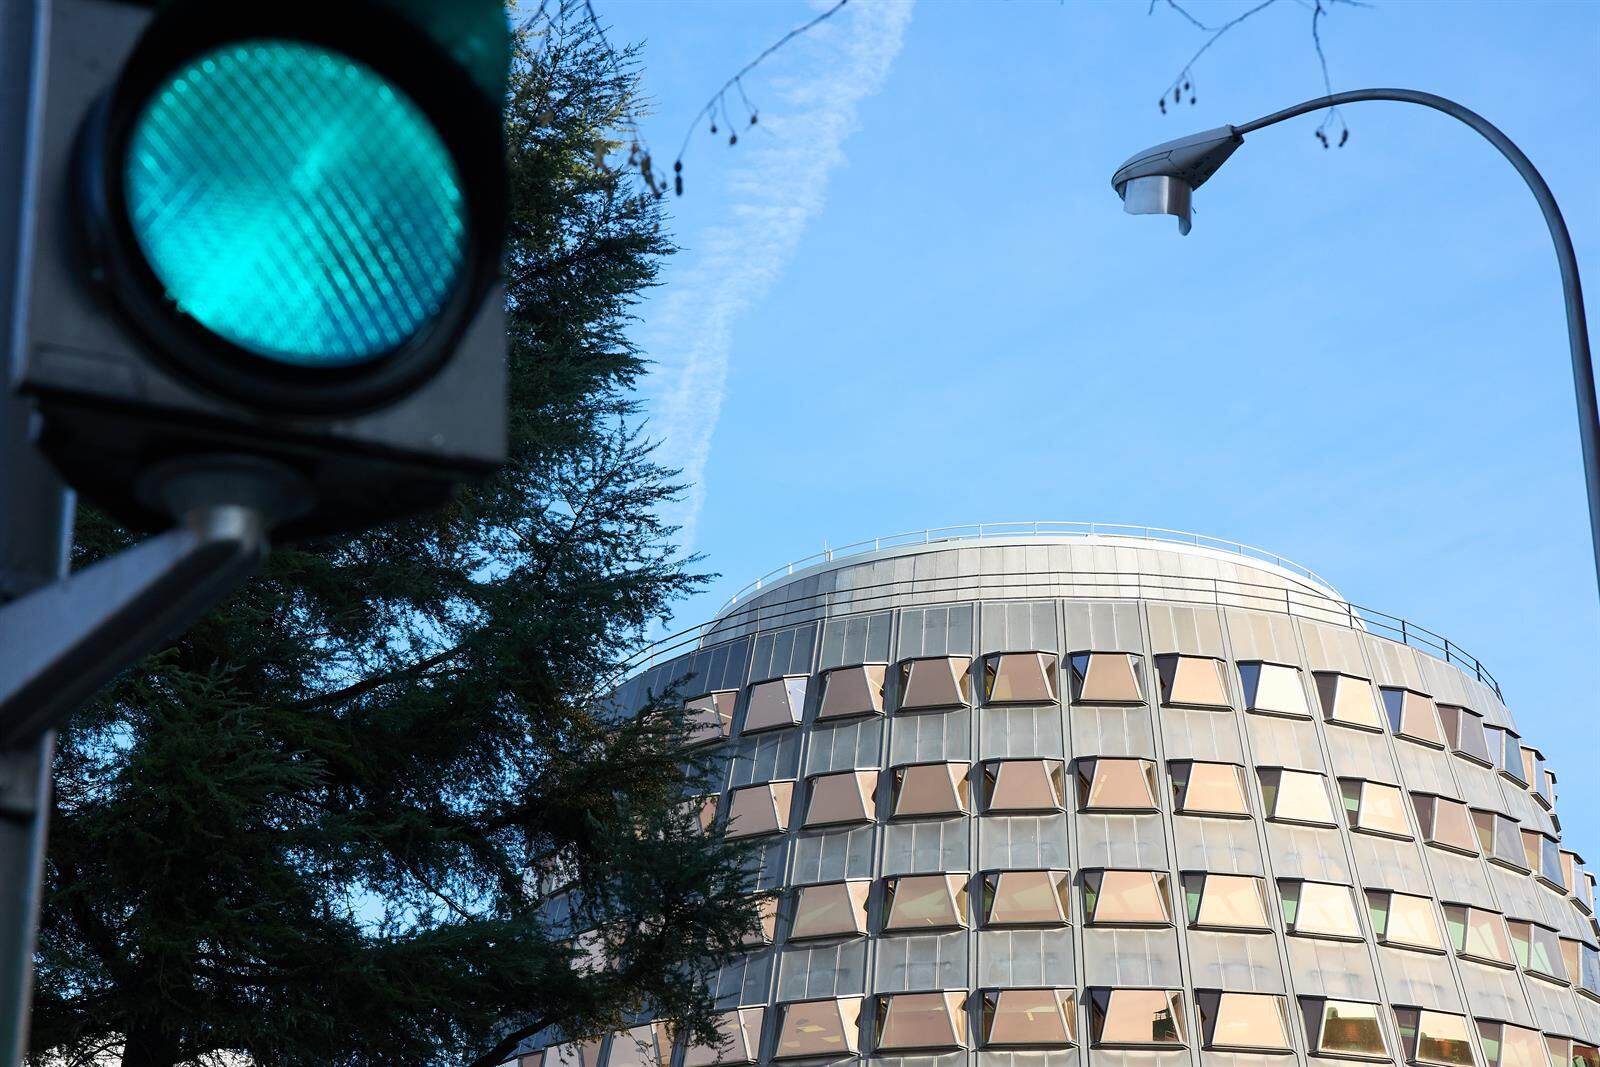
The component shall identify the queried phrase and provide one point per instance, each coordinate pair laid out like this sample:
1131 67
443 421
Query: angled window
1026 898
740 1031
1583 892
1480 935
574 1054
1434 1038
1208 788
1495 738
1505 1045
1116 785
1589 970
1126 898
925 902
1445 822
642 1046
1343 1028
1402 920
1532 767
1550 862
929 789
1192 682
1565 1052
1243 1022
711 716
767 928
703 810
1225 901
908 1021
1463 732
1537 949
1411 716
1106 678
1499 839
941 682
1545 788
1572 960
1296 796
1120 1017
1024 785
1020 678
777 703
1319 909
841 799
819 1028
1571 872
1029 1017
832 909
851 691
760 809
1510 763
1374 807
1348 700
1273 689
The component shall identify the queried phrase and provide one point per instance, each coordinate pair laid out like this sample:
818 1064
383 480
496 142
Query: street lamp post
1162 180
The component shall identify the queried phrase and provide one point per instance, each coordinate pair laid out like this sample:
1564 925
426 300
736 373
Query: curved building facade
1118 801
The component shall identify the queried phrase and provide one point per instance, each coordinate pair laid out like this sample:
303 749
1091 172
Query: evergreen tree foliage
332 823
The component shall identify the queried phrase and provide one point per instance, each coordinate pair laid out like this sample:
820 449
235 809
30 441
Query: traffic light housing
266 238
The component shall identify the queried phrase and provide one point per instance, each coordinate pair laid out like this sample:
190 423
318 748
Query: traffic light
263 241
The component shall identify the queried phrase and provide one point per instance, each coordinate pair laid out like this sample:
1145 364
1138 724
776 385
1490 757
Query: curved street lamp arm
1572 288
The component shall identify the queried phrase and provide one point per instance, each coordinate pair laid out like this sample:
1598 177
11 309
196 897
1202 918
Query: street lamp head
1162 180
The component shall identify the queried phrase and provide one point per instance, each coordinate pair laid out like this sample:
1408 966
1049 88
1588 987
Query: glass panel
1550 862
1210 789
1532 845
934 683
1105 678
642 1046
773 704
1296 796
1478 934
1463 729
1348 700
1019 678
930 789
741 1034
711 716
833 909
1193 681
841 798
853 691
1511 758
1521 1047
573 1054
1135 1017
1273 689
767 929
1244 1021
1025 785
1028 1017
1584 1056
1437 1038
1024 898
1229 901
1590 978
1116 785
1411 716
925 901
1343 1027
820 1028
760 809
1445 822
922 1020
1544 954
1531 765
1410 922
1374 807
1495 738
1130 897
1320 909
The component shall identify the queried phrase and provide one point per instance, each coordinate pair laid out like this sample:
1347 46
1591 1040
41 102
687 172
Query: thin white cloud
777 182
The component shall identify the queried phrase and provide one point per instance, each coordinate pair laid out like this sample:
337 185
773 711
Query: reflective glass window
1564 1052
1374 807
711 716
1537 949
1026 898
1403 920
641 1046
1478 934
819 1028
1019 678
842 798
1463 731
767 927
1106 678
831 909
1208 788
930 789
1024 785
1511 761
1589 970
1445 822
704 812
1532 847
1343 1028
740 1031
776 703
921 1020
1532 767
574 1054
1545 788
1505 1045
760 809
1348 700
1550 862
1225 901
1192 681
1138 898
1273 689
1411 716
1116 785
1570 868
1257 1022
935 683
1136 1017
1318 909
851 691
1296 796
925 902
1495 738
1572 959
1029 1017
1498 838
1434 1037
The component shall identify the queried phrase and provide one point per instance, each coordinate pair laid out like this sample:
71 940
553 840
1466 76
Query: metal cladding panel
1119 598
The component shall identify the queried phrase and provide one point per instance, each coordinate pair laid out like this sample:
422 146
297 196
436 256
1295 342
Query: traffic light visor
295 202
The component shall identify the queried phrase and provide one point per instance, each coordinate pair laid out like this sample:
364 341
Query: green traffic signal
295 202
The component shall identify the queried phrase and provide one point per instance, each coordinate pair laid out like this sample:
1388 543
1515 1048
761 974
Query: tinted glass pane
1120 785
853 691
1136 1017
1212 789
1243 1021
1028 1017
1343 1026
1233 901
1136 897
1020 677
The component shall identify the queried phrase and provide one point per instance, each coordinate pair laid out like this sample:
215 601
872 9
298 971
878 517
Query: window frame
1194 901
961 787
1210 1006
992 882
1402 707
1270 802
1101 1002
960 668
1087 772
1250 689
1384 902
1333 698
1175 670
1181 789
875 677
1362 817
1292 921
994 668
1082 666
994 772
1315 1044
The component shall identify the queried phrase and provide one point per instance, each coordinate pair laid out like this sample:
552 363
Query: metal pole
1571 288
35 535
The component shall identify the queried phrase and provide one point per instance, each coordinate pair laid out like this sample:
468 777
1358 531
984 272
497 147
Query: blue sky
909 298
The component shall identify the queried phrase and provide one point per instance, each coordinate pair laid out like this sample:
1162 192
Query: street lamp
1162 181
